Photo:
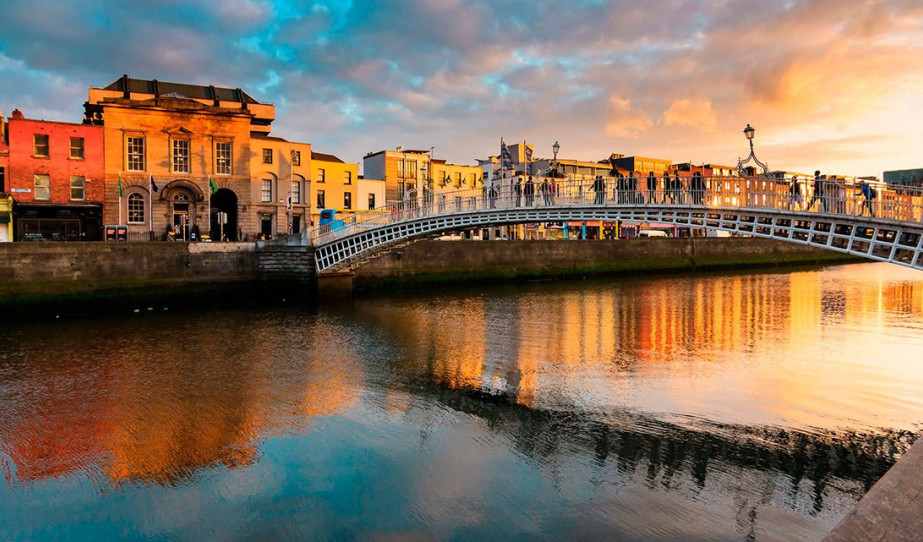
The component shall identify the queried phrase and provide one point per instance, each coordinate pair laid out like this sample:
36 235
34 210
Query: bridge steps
288 267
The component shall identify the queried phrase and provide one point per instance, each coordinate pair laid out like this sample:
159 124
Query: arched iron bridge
831 214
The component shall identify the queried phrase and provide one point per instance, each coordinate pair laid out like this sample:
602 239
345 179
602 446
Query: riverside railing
830 197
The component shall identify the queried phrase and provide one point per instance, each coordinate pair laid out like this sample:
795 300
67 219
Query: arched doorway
183 201
183 215
224 206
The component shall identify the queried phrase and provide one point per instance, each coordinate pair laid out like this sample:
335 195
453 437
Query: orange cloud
691 112
624 121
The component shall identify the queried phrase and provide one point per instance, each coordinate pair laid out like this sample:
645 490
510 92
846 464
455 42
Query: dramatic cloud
624 121
676 79
690 112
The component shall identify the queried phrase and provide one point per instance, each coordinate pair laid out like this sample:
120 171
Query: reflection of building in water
158 417
692 337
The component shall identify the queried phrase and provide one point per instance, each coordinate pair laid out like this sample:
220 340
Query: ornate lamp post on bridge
555 148
741 170
426 185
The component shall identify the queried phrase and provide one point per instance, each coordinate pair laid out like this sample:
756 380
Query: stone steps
285 265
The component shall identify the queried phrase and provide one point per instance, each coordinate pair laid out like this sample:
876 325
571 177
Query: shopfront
6 220
49 222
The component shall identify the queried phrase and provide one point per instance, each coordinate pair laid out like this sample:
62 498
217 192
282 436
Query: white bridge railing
832 198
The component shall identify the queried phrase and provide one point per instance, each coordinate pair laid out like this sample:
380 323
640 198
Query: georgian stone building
281 172
177 157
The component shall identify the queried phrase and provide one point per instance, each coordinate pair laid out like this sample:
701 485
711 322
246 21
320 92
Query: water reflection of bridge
886 228
660 450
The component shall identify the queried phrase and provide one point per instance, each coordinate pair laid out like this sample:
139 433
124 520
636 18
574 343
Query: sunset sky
828 84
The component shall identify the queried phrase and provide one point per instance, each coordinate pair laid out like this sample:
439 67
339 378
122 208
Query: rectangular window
42 187
223 158
321 175
458 179
348 177
296 192
78 188
296 158
2 180
267 156
371 201
135 146
474 178
411 169
40 144
347 200
321 203
266 191
77 148
180 156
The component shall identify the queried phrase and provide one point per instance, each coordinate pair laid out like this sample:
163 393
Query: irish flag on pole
212 186
120 185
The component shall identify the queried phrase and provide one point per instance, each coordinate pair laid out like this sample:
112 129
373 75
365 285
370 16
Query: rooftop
179 90
325 157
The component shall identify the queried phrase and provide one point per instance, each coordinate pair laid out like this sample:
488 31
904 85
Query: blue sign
21 190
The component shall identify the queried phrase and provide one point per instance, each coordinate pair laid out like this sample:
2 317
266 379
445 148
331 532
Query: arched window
135 209
181 197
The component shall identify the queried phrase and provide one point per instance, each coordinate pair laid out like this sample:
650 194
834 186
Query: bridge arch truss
753 207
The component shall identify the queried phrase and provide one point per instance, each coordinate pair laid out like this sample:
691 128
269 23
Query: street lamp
425 183
556 147
749 131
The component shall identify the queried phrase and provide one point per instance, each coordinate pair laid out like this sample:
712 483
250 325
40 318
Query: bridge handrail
829 196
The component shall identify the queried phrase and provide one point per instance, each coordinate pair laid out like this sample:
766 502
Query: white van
718 233
652 233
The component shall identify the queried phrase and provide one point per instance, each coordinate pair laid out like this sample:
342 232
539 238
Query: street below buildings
734 406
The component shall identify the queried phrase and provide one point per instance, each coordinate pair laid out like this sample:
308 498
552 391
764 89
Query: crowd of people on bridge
826 195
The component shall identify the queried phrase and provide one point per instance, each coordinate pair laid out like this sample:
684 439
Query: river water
709 407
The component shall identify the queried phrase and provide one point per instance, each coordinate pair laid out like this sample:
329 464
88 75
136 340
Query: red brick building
6 204
55 177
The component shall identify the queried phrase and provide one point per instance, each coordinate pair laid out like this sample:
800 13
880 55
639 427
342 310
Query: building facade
6 202
371 194
403 171
335 184
281 186
177 157
54 174
644 165
903 177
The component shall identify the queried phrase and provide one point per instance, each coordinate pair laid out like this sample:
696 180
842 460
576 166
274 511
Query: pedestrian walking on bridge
599 187
866 190
794 194
530 192
651 188
818 194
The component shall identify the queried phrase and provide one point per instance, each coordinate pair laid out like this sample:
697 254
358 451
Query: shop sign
21 190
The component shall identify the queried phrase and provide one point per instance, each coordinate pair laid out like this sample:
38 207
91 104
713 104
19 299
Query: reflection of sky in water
711 407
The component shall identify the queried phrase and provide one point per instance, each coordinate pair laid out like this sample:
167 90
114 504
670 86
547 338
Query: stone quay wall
430 263
46 278
55 278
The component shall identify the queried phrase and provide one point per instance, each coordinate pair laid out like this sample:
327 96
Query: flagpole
525 155
150 205
120 198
